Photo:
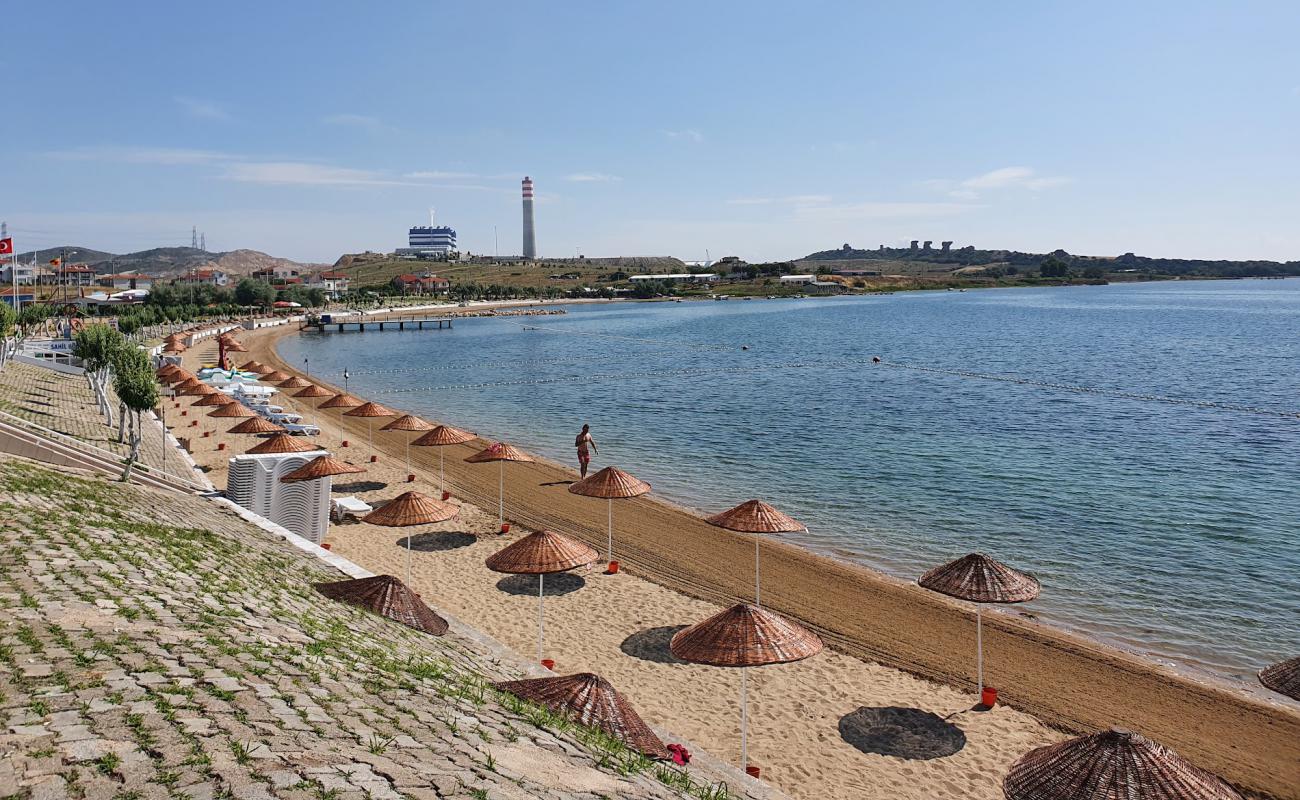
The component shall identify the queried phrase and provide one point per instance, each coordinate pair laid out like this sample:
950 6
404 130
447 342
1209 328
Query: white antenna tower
203 242
431 216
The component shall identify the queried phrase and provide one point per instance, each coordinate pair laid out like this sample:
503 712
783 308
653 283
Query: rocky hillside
169 261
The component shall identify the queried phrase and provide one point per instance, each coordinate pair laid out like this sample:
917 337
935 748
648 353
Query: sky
691 129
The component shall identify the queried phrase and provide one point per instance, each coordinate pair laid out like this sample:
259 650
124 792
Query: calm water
1169 529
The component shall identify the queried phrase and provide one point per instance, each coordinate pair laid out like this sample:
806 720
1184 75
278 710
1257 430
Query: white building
334 283
676 277
798 280
26 274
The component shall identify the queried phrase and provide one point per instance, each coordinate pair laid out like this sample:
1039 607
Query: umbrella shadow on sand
438 542
556 584
651 644
358 486
907 733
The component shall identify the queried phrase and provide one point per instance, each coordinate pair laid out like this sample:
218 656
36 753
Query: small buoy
744 347
875 359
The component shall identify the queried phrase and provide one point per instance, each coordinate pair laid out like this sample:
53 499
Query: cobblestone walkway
155 646
65 404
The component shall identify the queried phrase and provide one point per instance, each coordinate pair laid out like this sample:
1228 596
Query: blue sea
1168 528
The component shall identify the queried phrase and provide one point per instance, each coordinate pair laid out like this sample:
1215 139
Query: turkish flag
6 246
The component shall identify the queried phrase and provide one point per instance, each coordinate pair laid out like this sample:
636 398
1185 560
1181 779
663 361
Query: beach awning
499 451
233 409
254 367
541 553
340 401
1111 765
283 443
610 483
214 399
442 436
294 383
755 516
408 423
980 579
1283 678
411 508
594 702
314 391
744 636
274 376
321 467
388 597
255 425
369 410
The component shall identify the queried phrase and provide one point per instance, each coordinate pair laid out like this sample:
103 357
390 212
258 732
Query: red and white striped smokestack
530 241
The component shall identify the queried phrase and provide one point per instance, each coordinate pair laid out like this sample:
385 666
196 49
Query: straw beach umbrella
321 467
1111 765
541 554
214 399
255 367
409 509
410 424
294 383
313 391
371 412
387 597
343 401
610 483
233 409
1283 678
441 437
592 701
744 636
755 516
274 376
199 390
256 425
500 452
282 443
980 579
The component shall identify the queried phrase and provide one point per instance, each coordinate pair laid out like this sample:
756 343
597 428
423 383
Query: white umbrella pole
442 476
744 719
609 501
979 646
758 592
370 427
541 614
408 453
501 495
408 559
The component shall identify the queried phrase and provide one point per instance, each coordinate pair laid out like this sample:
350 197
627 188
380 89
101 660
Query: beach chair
343 507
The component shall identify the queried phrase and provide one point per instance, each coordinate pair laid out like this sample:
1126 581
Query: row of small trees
106 355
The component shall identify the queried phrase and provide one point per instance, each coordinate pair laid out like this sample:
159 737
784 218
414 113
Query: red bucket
221 445
989 697
549 663
505 527
612 569
752 771
410 478
374 459
206 434
345 442
325 545
446 496
183 413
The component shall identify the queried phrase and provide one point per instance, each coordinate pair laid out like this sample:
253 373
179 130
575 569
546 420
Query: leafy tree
254 293
137 387
97 345
1053 267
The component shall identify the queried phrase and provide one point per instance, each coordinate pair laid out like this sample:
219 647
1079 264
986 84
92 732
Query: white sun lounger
343 507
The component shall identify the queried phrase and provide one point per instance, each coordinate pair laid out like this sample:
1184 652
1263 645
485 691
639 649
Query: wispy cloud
440 175
202 109
996 180
166 156
687 134
301 173
592 177
794 200
365 122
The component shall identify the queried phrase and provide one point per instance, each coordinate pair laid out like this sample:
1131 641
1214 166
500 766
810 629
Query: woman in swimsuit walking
584 441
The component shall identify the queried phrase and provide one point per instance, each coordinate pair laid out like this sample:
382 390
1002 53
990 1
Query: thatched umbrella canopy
744 636
232 409
174 347
257 425
441 437
540 554
340 401
407 510
294 383
409 424
314 391
610 483
387 597
980 579
755 516
1283 678
283 443
592 701
173 337
1111 765
274 376
165 371
500 452
200 390
371 412
254 367
214 399
180 375
321 467
232 346
187 382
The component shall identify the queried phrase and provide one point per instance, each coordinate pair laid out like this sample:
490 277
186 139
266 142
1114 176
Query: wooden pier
360 324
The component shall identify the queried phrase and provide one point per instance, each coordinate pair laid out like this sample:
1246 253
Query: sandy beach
886 711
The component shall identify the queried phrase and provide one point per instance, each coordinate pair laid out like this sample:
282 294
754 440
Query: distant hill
969 259
169 261
374 269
